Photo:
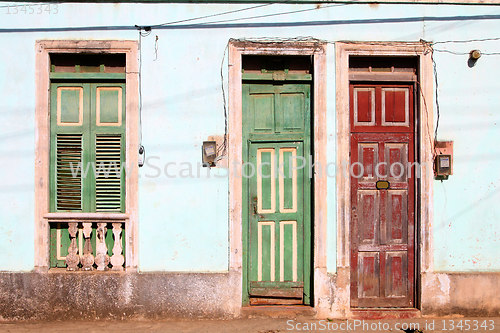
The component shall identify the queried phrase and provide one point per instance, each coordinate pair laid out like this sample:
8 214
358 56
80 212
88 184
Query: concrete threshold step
385 313
277 311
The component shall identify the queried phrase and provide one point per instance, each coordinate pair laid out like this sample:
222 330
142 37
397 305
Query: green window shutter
108 183
68 172
108 133
68 136
87 123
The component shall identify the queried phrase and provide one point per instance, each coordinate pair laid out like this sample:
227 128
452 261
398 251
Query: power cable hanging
223 150
274 14
466 41
437 96
464 53
147 32
430 46
156 48
211 15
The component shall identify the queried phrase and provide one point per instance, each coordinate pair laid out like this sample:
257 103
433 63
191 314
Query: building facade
204 159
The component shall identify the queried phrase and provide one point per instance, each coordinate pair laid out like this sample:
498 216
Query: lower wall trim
88 295
466 294
164 295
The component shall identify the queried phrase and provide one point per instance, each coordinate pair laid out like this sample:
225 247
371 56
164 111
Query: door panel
263 115
382 222
368 275
274 109
276 129
276 219
381 108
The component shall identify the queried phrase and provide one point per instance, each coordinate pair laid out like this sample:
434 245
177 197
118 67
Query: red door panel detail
395 106
364 104
390 104
396 275
368 275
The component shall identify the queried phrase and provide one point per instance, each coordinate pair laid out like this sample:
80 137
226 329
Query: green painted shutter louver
108 175
69 176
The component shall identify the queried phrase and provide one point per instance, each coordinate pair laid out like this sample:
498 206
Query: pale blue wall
16 160
466 207
183 222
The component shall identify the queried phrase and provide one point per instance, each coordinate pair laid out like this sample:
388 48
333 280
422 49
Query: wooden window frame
42 146
424 113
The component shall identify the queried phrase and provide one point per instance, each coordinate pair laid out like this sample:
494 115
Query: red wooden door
382 196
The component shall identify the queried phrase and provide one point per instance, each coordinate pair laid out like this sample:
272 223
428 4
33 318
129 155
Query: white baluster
72 259
88 257
117 258
101 258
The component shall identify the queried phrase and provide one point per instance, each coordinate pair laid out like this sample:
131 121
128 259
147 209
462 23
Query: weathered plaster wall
183 221
38 296
469 294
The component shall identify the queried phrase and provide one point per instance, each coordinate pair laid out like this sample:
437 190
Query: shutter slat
108 177
68 179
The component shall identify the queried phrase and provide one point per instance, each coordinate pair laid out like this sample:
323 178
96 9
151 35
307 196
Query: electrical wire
426 123
156 48
223 150
242 18
464 53
274 14
211 15
278 39
140 87
466 41
430 45
436 81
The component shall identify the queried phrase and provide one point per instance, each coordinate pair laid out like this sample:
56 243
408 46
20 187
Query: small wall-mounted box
209 153
443 162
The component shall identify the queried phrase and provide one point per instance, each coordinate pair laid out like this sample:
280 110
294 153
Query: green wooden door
276 180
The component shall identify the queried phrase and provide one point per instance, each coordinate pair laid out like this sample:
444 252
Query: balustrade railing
88 245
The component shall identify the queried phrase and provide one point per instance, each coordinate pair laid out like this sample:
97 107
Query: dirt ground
267 325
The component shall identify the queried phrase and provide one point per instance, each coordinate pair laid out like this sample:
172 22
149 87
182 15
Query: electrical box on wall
443 162
209 153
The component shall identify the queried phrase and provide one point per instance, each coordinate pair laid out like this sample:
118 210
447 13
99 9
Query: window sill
80 217
61 270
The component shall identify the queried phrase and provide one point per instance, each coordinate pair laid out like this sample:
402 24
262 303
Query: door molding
425 152
317 50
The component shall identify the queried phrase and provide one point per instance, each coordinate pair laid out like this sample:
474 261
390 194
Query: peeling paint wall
183 222
467 294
